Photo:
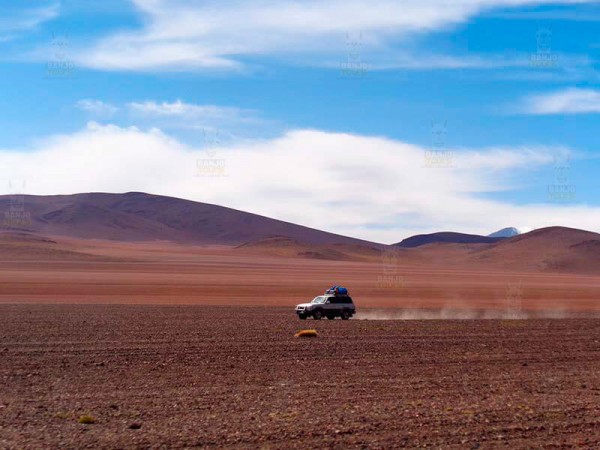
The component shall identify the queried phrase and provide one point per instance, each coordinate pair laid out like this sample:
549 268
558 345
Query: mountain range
37 226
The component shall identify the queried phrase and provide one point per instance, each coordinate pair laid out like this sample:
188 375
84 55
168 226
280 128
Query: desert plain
164 345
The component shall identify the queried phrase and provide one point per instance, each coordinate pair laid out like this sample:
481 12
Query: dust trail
469 314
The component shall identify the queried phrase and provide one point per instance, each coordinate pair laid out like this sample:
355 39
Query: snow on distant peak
510 232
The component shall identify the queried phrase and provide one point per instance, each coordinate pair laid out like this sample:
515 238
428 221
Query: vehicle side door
331 305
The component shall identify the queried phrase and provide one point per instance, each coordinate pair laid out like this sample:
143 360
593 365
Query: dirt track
213 377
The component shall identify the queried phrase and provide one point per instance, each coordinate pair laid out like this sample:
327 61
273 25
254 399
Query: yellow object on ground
86 420
306 333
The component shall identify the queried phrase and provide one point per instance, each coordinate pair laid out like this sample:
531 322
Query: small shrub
88 420
306 333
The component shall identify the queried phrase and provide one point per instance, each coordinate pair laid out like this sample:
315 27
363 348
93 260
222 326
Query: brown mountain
446 237
137 216
552 249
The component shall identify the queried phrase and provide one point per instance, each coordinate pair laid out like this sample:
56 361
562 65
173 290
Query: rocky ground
235 377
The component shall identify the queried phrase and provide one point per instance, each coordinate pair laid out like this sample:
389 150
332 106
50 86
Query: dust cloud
468 314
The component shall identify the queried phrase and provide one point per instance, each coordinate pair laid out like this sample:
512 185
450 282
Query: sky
375 119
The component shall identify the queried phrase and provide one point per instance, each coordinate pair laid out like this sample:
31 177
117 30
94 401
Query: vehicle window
347 300
319 299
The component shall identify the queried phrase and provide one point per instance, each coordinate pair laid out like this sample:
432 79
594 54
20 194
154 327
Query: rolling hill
447 237
551 249
136 216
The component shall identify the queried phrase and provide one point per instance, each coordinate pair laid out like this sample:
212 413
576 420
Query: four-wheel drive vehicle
327 305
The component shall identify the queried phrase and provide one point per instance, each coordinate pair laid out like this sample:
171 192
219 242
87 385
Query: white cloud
211 124
189 111
15 19
181 35
367 187
427 61
214 124
567 101
97 107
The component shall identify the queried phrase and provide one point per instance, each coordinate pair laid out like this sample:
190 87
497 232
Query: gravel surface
115 376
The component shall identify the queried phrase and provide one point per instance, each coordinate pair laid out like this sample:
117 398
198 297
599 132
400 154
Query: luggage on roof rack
337 290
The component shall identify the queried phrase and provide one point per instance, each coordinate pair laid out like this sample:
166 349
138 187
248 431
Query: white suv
328 305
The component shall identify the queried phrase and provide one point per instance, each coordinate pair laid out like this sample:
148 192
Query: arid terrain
450 280
190 342
235 377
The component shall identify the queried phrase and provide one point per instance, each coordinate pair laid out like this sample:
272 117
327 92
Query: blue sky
402 117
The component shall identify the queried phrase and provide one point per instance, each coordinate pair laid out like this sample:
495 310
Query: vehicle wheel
331 317
345 315
317 315
302 316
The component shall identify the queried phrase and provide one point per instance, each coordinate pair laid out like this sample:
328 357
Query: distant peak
509 232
